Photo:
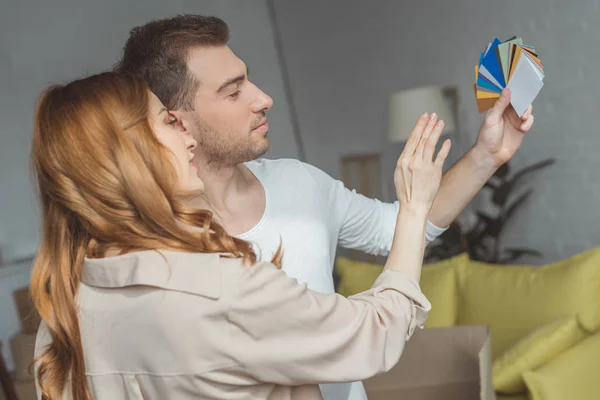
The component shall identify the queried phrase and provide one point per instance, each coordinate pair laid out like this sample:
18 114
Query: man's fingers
526 126
500 105
527 113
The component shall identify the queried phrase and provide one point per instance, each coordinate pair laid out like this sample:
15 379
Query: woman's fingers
426 133
431 143
415 136
443 153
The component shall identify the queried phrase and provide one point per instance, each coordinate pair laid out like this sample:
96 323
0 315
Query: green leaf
517 203
515 253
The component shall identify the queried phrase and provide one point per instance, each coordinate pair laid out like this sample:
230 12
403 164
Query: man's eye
235 94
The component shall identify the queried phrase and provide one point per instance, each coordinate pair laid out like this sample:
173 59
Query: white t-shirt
312 213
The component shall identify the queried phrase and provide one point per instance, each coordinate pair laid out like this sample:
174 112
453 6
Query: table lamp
406 106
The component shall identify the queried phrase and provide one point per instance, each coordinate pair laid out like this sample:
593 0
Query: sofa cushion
438 283
355 276
522 396
515 300
572 375
534 350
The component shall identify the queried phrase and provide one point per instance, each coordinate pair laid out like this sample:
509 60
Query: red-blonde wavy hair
105 183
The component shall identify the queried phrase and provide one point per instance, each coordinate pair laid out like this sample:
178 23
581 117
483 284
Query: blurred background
331 68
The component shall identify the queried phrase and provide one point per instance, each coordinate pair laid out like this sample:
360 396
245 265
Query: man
188 65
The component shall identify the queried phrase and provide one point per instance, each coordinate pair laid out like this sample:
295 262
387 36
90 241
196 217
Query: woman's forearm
408 244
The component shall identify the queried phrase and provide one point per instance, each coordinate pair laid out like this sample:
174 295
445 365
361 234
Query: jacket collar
195 273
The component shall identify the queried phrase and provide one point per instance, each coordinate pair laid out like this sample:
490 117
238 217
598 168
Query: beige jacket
171 325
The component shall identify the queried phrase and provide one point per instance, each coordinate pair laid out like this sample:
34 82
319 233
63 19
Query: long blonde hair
105 182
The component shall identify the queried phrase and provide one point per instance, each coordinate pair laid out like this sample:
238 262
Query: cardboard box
22 347
452 363
30 321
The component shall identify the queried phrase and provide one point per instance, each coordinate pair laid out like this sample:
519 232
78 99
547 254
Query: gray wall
43 42
346 57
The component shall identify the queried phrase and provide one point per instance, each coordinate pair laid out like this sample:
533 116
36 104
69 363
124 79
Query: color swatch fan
508 64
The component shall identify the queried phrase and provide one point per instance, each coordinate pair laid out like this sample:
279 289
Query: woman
143 297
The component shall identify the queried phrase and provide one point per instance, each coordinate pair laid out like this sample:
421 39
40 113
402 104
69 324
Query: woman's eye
172 121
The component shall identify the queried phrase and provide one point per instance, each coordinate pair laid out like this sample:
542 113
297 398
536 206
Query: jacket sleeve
284 333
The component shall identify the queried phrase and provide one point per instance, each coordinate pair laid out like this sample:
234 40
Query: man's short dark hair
158 52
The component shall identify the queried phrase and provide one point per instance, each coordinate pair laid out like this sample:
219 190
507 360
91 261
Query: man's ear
183 120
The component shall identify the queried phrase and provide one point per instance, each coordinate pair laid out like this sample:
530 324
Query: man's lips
262 126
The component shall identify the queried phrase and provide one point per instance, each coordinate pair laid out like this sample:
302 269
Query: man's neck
224 184
234 195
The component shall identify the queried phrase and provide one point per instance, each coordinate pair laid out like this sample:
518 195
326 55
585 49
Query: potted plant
482 241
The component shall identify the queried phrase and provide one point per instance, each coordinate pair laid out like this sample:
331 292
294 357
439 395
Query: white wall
12 277
43 42
346 56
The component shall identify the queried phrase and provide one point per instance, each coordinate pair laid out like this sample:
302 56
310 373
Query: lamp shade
406 106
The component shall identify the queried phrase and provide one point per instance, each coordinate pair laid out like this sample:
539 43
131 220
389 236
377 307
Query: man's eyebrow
231 81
